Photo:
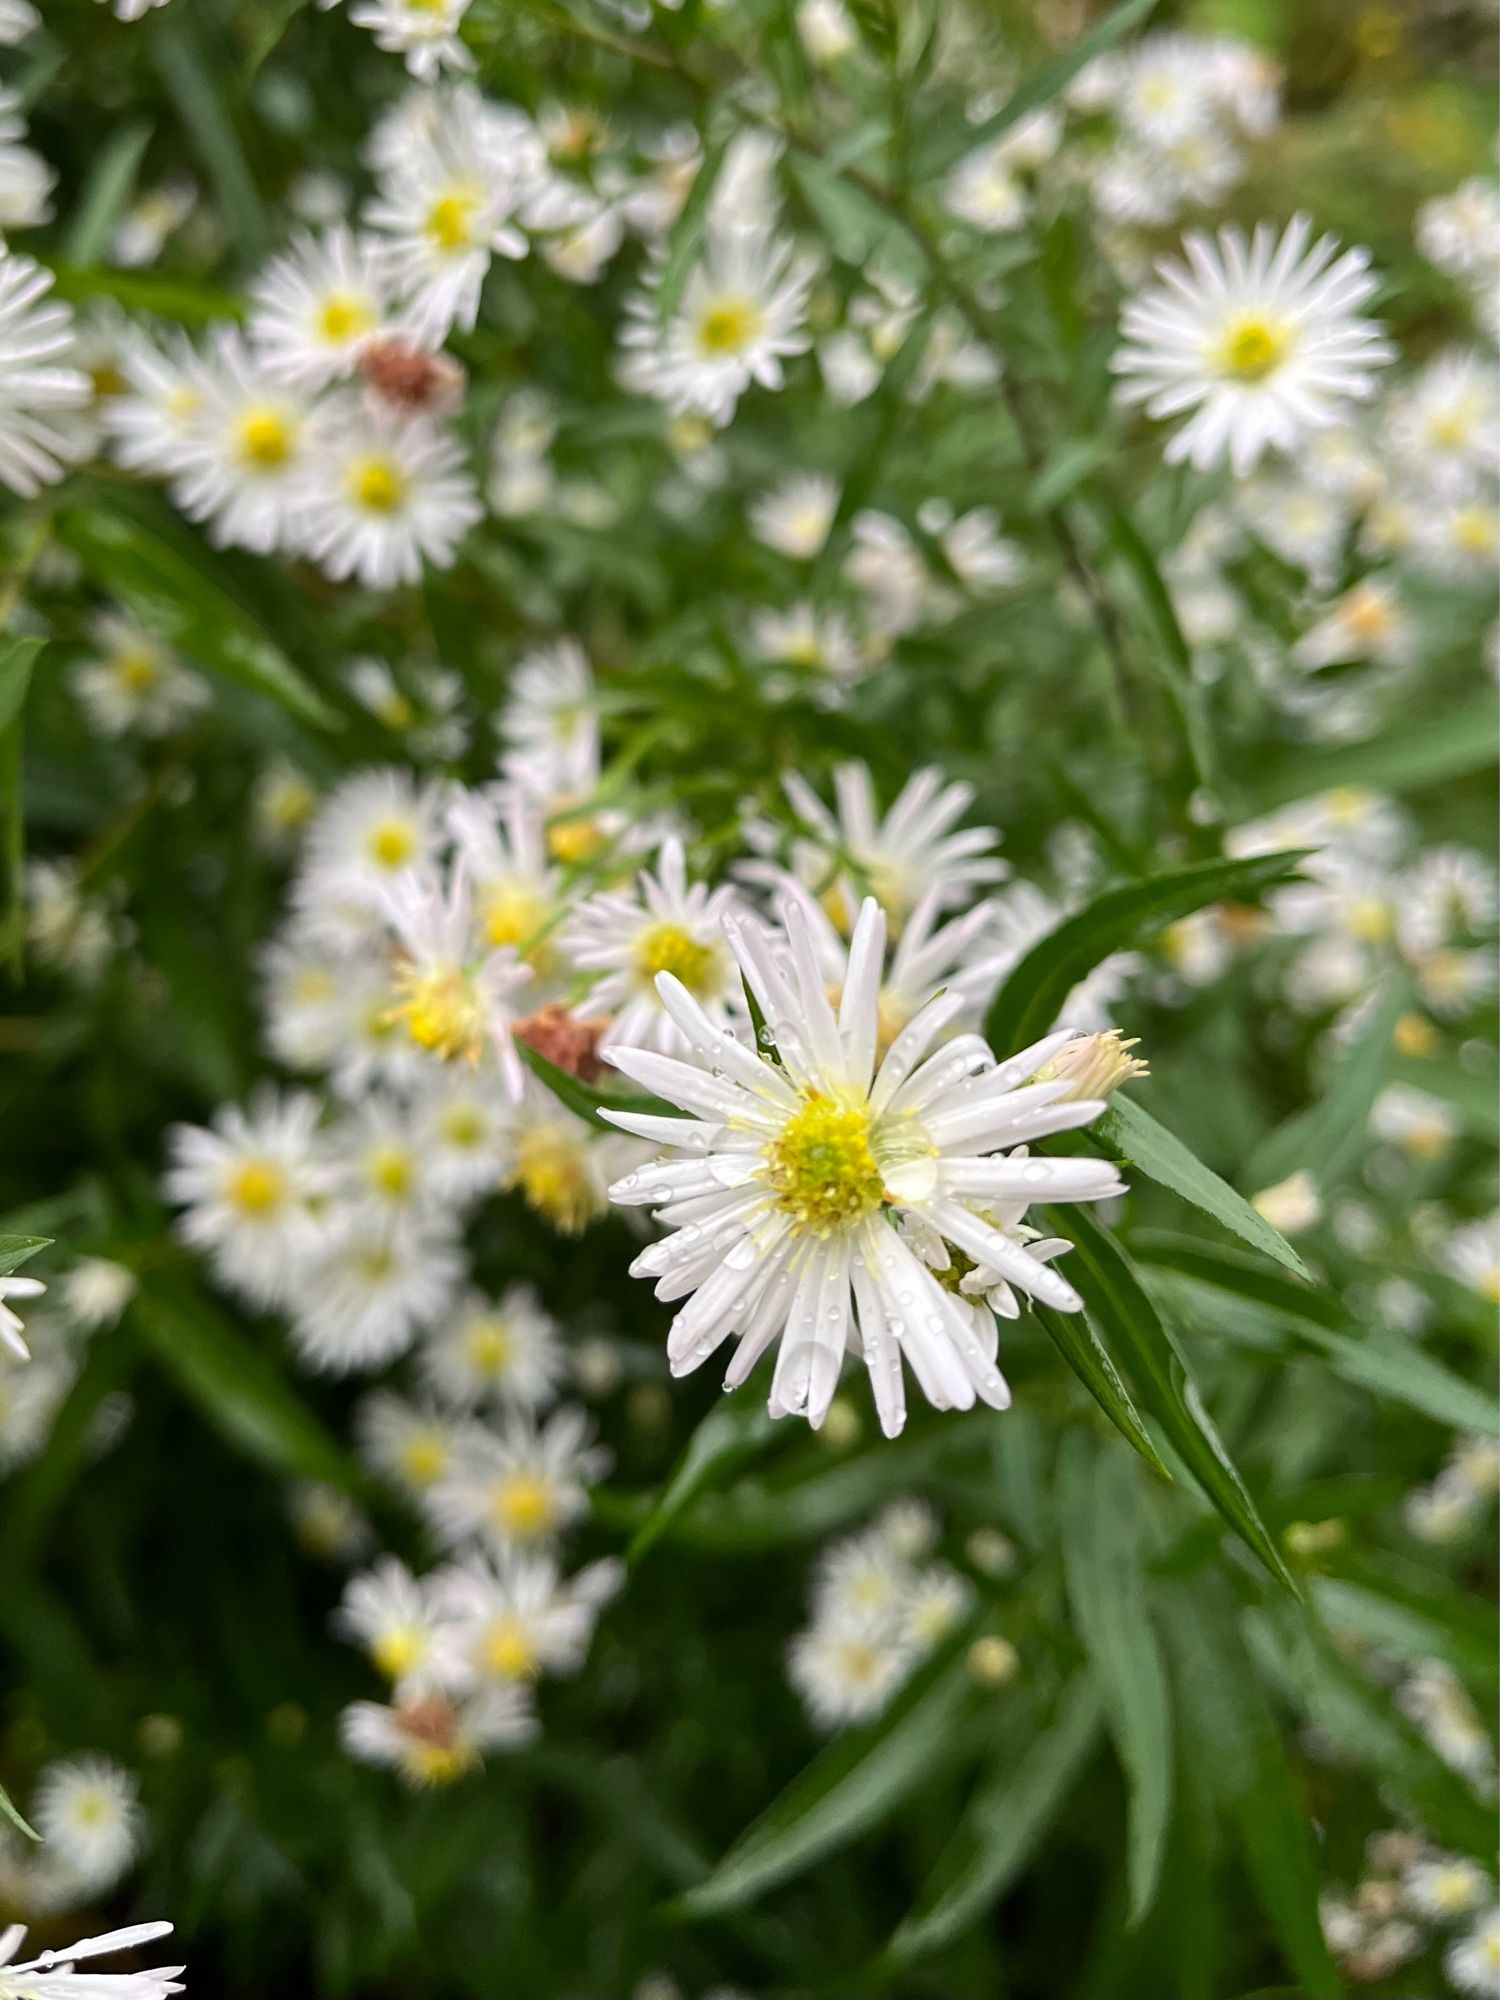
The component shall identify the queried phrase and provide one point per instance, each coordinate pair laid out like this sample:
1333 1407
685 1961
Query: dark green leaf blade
1080 1346
14 1251
731 1433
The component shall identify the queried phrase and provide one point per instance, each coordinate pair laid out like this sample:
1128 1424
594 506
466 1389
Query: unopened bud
993 1661
1095 1065
567 1041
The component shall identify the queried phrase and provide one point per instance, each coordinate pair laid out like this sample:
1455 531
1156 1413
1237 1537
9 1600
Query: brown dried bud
408 379
564 1039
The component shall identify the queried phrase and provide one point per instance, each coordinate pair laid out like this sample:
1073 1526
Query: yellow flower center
461 1125
257 1187
525 1505
91 1809
392 842
1251 348
860 1661
389 1170
1415 1036
136 668
1474 530
728 326
377 484
436 1763
512 913
450 220
510 1650
552 1171
344 317
264 439
574 841
488 1345
821 1169
442 1011
1370 919
669 948
1368 615
397 1651
423 1459
1427 1139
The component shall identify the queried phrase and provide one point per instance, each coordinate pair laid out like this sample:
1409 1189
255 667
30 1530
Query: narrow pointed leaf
9 1812
1161 1156
14 1251
1416 752
1079 1345
1033 996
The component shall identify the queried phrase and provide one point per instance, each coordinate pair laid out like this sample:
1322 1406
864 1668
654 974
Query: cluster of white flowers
880 1604
1460 1497
1412 1894
1437 1702
87 1815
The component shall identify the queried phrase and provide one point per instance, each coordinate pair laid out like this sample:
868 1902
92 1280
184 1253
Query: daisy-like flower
741 315
153 419
392 1616
17 19
371 1286
241 457
462 1118
380 494
1472 1256
1441 1887
1368 622
371 830
454 1000
1423 1126
403 1442
425 32
1472 1965
96 1292
11 1330
549 712
898 856
985 191
796 1168
507 1350
518 893
817 642
379 1165
315 307
1445 423
1261 341
449 190
134 682
86 1810
795 516
516 1618
434 1739
559 1163
1460 232
847 1669
39 385
252 1187
668 925
54 1975
519 1486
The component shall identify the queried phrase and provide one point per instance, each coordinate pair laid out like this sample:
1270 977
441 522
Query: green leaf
1384 1364
730 1434
1002 1826
189 80
1407 1628
1080 1346
1238 1751
141 292
1162 1157
1328 1136
1045 83
848 1786
242 1391
1067 468
175 585
14 1251
18 654
1033 996
1150 1357
1418 752
106 194
8 1812
1100 1519
686 238
581 1098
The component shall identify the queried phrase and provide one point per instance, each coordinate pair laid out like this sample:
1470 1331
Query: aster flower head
453 998
519 1486
86 1811
316 306
235 464
1258 340
39 384
381 493
133 681
796 1167
514 1617
433 1738
507 1350
425 32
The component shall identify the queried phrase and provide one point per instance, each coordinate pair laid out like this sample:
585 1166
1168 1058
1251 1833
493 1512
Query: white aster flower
392 1616
54 1975
1458 539
741 314
1472 1965
1471 1255
516 1618
1368 622
404 1442
795 516
1423 1126
96 1291
506 1350
817 642
252 1187
134 681
827 29
847 1670
897 856
1447 891
154 419
560 1163
626 940
1165 86
17 19
317 305
87 1812
453 990
451 182
237 463
985 191
370 831
39 386
1460 232
433 1739
378 1161
381 493
463 1119
369 1288
1440 1887
1444 424
425 32
518 893
519 1486
796 1168
1260 340
11 1331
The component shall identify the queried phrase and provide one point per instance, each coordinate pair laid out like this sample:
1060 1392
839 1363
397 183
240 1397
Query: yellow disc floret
1252 347
377 485
264 439
391 843
257 1187
488 1345
821 1168
728 326
524 1505
450 220
442 1010
553 1171
510 1650
344 317
670 948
